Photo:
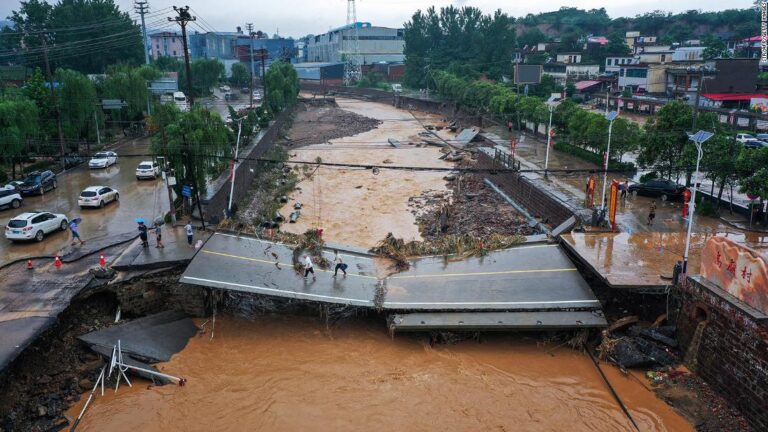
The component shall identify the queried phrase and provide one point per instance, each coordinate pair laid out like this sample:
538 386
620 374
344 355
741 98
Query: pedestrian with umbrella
75 232
143 232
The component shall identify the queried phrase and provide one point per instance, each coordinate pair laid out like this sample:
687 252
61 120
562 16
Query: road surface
146 198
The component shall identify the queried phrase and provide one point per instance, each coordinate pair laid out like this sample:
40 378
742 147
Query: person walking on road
624 190
143 234
75 232
159 237
190 234
652 213
339 265
308 268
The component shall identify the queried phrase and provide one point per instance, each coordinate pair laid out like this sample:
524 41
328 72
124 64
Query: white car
10 198
103 160
97 196
147 169
34 225
13 185
743 138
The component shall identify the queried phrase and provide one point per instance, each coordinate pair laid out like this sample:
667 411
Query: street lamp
551 103
234 165
611 116
698 138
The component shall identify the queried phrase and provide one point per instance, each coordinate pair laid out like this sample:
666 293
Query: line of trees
662 145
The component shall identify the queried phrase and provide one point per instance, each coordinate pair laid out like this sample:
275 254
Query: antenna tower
351 47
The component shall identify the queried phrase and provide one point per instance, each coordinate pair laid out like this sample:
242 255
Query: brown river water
287 373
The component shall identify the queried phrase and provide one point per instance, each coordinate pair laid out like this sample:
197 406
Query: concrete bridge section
530 279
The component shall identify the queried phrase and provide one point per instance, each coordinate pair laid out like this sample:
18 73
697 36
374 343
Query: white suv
147 169
10 198
34 225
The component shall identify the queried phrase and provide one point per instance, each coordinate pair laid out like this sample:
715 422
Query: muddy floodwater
284 373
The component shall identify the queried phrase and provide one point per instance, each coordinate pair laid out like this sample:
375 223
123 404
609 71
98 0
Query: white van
180 99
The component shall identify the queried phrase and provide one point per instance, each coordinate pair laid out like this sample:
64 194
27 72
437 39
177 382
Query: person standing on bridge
339 265
308 268
143 233
190 233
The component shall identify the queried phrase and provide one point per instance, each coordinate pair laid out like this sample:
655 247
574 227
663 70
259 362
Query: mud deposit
288 373
320 120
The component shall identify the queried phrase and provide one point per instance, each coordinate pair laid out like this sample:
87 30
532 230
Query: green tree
77 99
752 169
714 48
531 37
206 73
130 85
18 124
241 77
168 64
282 86
617 45
29 22
666 140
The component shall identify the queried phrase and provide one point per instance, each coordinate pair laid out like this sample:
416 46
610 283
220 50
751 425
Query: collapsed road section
535 280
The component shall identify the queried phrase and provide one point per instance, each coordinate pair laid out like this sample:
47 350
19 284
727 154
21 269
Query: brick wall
532 197
733 353
217 198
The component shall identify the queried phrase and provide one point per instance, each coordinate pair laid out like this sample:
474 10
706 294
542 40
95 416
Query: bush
593 157
649 176
3 177
42 165
706 207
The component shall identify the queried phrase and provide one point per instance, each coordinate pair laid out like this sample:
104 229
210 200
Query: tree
28 24
77 99
240 75
129 84
617 45
18 124
168 64
714 48
531 37
282 86
753 174
206 73
666 139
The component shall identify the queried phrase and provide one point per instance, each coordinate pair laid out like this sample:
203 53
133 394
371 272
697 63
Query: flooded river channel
287 373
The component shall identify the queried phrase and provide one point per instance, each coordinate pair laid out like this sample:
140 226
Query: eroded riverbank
287 373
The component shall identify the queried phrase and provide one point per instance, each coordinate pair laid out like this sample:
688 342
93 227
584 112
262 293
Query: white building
688 54
375 44
573 57
613 64
563 72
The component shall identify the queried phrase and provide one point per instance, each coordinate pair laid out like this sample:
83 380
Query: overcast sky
301 17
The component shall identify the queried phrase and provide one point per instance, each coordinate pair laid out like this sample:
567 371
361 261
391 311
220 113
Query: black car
37 183
658 188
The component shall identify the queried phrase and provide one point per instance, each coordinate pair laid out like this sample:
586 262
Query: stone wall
217 197
156 294
732 352
533 197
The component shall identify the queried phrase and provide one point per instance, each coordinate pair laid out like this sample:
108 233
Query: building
214 45
613 64
733 76
276 49
331 74
688 54
14 76
655 54
563 72
168 44
571 57
234 47
644 78
375 44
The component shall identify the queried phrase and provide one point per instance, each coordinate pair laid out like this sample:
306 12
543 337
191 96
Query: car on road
13 185
742 137
10 198
97 196
38 182
103 159
72 160
34 225
755 144
658 189
147 169
762 137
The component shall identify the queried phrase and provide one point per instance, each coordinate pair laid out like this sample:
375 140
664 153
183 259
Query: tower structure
351 46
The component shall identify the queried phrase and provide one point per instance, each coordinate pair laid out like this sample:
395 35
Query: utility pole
55 99
249 26
141 8
182 19
263 54
696 101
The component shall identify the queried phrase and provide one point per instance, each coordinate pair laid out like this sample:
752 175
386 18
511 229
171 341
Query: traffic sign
186 191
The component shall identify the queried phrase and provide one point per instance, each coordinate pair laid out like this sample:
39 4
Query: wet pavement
145 198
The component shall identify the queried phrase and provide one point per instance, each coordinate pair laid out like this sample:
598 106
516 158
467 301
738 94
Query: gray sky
300 17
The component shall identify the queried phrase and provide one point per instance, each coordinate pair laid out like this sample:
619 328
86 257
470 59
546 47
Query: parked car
754 144
245 90
97 196
103 160
34 225
13 185
742 138
762 137
10 198
658 188
37 183
147 169
72 160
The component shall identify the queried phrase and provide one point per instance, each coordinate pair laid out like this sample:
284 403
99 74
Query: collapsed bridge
531 286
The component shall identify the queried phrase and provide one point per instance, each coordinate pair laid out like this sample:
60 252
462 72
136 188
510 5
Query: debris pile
316 126
638 346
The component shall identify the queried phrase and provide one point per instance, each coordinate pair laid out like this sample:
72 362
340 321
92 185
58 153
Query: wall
217 195
153 294
534 198
732 356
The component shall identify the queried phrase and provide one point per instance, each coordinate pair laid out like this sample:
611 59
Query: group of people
157 230
310 268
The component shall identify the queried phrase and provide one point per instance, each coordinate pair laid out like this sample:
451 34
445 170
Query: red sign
686 199
738 270
613 202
